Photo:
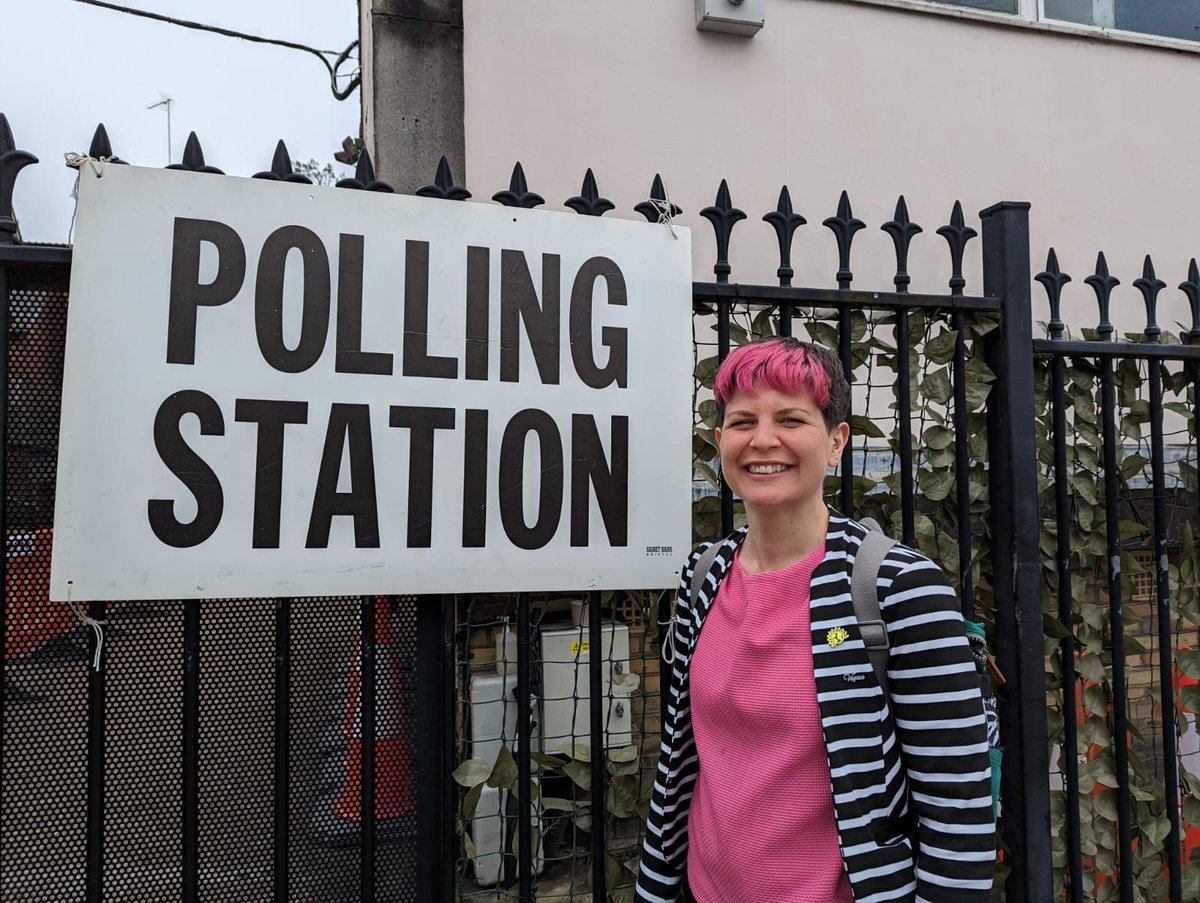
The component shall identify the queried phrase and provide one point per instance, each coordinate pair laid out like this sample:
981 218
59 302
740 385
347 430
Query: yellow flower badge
837 636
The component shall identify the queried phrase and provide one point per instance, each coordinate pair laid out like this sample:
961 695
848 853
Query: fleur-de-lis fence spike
1150 285
518 193
957 234
658 209
902 230
1103 284
1191 288
723 216
101 147
193 158
843 226
1053 279
588 202
12 161
364 176
281 168
443 185
785 222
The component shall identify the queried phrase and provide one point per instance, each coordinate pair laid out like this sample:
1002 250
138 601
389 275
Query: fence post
1016 556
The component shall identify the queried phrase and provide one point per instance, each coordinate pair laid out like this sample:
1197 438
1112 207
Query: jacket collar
835 543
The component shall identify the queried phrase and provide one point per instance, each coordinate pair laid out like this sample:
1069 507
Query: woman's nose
764 436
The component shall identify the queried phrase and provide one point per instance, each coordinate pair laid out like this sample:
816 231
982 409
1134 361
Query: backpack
871 626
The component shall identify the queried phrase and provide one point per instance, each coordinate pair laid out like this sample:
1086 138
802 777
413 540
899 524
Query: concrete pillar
412 89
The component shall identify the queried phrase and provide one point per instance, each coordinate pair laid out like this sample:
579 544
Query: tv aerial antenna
165 103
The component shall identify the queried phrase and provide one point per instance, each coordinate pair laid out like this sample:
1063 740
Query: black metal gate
304 748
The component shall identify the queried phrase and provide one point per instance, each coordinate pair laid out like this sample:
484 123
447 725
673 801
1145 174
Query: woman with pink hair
787 773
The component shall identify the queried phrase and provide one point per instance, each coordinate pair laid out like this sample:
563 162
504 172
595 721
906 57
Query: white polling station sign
278 389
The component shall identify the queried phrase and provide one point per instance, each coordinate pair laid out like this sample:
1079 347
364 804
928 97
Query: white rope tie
97 628
668 643
76 162
665 217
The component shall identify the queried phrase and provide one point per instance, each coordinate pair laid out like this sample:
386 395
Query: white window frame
1031 14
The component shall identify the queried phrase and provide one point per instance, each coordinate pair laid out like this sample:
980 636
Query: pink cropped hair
786 365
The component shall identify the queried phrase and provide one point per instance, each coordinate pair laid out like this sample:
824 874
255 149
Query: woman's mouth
767 468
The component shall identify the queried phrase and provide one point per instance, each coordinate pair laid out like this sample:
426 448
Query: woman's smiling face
776 449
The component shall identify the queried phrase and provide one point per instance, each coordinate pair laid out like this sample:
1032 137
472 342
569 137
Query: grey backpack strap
864 592
703 565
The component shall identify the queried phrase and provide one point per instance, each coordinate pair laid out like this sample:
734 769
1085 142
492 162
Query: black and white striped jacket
910 773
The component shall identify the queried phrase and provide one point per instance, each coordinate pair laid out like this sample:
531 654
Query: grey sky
70 66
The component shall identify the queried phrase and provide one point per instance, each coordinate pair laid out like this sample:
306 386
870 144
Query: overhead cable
322 55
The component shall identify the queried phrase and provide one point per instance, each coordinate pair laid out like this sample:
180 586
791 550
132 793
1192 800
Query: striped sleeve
938 715
659 874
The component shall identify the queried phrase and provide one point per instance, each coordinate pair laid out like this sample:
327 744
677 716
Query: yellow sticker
577 648
837 636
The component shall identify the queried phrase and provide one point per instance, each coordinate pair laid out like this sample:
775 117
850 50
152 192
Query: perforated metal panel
216 754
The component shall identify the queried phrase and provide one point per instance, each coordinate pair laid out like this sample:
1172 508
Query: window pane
1169 18
1070 10
1000 6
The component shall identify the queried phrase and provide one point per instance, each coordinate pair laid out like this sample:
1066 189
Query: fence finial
1103 284
1191 288
518 193
1150 285
193 158
281 168
843 226
443 185
902 230
101 148
659 207
364 176
1053 279
957 234
723 216
785 222
12 161
588 202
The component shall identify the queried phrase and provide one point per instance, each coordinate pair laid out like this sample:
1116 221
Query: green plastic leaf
504 773
471 801
1188 661
1189 697
580 772
864 426
624 754
940 349
1054 627
471 772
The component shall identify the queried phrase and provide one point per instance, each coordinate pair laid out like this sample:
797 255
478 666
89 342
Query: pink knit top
762 824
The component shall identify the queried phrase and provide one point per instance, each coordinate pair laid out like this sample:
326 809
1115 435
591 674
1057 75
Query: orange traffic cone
393 754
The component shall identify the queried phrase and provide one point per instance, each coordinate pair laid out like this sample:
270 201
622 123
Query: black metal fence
315 749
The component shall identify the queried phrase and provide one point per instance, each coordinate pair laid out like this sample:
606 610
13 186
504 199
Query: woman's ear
840 435
717 436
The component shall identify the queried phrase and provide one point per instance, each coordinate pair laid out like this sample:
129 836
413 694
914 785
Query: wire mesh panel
562 750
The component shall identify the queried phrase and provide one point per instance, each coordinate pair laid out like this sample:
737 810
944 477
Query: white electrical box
744 17
566 680
494 717
494 833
